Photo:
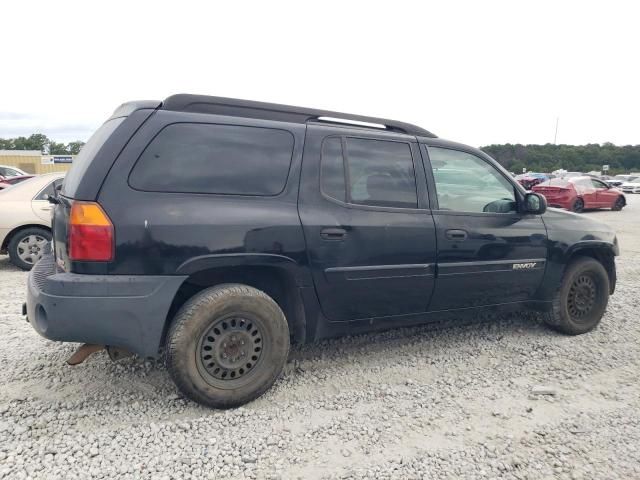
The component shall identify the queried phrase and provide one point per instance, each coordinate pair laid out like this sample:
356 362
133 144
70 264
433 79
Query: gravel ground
503 398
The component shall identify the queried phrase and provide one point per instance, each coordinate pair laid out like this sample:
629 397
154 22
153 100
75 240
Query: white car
632 185
7 171
25 218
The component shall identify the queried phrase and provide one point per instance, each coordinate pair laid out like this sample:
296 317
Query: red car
8 181
580 193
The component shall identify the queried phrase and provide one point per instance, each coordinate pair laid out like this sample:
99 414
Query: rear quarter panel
158 232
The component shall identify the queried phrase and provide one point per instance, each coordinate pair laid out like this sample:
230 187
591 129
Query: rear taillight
91 237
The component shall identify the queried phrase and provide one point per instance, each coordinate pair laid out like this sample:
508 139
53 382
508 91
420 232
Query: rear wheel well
7 239
276 282
602 255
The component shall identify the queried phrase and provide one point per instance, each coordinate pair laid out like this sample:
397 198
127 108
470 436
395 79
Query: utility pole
555 137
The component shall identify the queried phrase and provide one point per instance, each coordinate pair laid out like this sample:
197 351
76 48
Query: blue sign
61 159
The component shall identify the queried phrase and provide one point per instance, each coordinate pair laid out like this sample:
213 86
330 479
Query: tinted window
381 173
332 169
466 183
87 154
225 159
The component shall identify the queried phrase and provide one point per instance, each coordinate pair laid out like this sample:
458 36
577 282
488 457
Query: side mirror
535 203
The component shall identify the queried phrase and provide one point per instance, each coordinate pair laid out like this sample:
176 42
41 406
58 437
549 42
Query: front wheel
582 298
227 345
619 203
26 246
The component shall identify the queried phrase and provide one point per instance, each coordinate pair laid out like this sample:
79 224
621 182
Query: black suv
219 231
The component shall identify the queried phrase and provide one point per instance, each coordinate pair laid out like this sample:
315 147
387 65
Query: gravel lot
501 398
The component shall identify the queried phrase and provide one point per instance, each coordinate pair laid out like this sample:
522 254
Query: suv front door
370 238
488 252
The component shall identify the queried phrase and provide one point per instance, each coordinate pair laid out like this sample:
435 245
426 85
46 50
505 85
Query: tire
578 206
581 300
220 323
26 246
619 204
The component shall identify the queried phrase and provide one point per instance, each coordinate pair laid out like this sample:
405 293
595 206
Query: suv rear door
370 237
488 252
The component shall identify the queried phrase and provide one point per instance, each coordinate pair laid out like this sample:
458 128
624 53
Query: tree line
514 157
41 142
578 158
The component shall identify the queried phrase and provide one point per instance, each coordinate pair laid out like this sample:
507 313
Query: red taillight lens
91 236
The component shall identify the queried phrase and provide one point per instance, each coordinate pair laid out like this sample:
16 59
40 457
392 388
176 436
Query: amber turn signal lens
91 237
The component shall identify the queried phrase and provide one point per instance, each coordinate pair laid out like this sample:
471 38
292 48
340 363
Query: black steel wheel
227 345
582 298
229 350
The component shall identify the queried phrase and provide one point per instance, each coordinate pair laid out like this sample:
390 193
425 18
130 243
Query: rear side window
89 150
332 169
378 172
381 173
222 159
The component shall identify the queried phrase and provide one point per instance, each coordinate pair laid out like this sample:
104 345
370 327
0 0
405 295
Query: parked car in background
580 193
8 181
619 180
528 180
25 218
632 185
7 171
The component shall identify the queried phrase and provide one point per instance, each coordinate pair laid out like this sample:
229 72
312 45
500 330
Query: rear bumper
127 311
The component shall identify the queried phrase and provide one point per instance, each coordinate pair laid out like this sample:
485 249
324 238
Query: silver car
632 185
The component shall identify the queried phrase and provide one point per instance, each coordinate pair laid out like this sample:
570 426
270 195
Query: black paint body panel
393 266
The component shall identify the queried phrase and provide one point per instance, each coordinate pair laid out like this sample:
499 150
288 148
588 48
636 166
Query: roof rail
285 113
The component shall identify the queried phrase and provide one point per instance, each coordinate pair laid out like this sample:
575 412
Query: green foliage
41 142
579 158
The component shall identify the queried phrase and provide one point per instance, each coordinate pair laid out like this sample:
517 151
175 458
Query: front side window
49 190
466 183
222 159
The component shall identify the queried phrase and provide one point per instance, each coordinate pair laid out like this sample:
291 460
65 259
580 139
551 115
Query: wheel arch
278 276
7 238
603 252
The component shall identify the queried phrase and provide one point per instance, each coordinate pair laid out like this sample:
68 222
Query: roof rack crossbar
286 113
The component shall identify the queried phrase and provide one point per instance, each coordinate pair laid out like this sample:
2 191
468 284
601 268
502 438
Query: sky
478 72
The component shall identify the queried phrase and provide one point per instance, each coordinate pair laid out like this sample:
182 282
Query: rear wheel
582 298
227 345
619 203
578 205
27 246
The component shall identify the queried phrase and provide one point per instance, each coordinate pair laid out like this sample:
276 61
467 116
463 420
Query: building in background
32 161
